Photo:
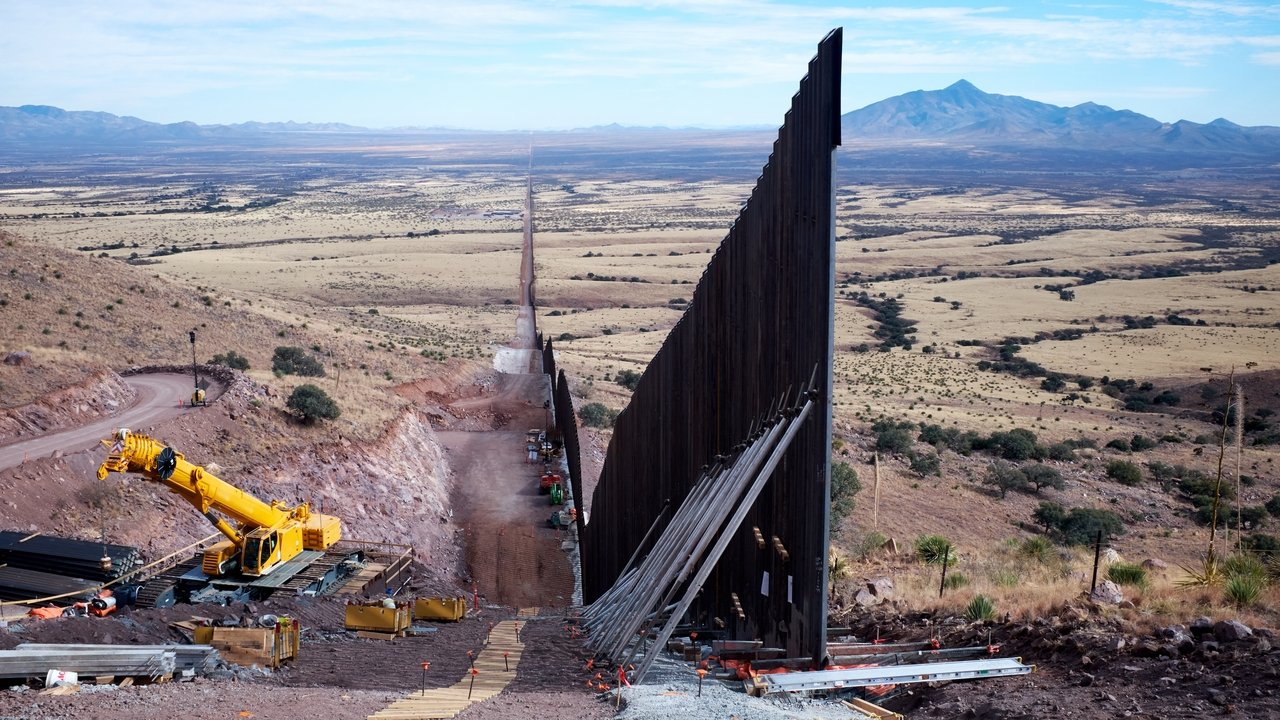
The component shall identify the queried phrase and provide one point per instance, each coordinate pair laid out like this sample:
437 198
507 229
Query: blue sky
504 64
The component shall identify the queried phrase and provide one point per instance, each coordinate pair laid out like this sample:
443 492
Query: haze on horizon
506 64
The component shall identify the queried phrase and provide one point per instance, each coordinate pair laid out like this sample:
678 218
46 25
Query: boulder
866 599
18 357
881 587
1111 557
1107 593
1231 631
1155 564
1201 626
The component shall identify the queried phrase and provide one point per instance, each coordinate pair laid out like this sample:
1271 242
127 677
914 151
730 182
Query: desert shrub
1243 590
953 438
289 360
1123 573
1004 477
1273 505
869 543
925 463
597 415
1038 548
980 608
1061 452
628 379
1081 525
1141 442
844 485
1016 444
1119 444
1124 472
932 549
892 438
231 359
310 403
1264 545
1043 476
955 581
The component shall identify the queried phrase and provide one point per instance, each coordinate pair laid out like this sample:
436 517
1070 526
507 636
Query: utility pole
195 374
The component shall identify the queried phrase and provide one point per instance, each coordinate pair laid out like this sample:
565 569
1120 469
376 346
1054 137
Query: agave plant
980 608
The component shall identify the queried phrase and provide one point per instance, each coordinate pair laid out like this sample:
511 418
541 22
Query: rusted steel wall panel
759 324
567 422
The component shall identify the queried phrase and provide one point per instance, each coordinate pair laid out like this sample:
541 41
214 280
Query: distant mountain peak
961 113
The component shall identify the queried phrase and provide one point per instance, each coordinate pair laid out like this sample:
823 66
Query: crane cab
265 549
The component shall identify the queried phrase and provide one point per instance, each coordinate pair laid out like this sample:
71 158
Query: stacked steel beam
200 659
64 556
22 584
760 326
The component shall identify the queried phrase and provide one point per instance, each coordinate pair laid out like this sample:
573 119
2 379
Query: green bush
1273 505
1017 444
311 403
597 415
844 485
1141 442
1119 444
893 439
1265 545
932 549
955 580
1006 578
1124 472
1081 525
628 379
231 359
289 360
1061 452
925 463
1123 573
980 608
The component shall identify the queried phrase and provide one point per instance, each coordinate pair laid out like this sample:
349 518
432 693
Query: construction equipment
265 536
197 395
442 609
546 481
562 518
381 616
557 494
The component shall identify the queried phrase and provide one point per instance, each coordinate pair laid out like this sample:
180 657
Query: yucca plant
932 549
1208 573
1038 548
1123 573
980 608
1243 590
1244 564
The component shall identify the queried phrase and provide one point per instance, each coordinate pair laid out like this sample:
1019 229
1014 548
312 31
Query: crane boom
265 535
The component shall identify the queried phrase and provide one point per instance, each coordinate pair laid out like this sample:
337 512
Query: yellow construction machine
264 536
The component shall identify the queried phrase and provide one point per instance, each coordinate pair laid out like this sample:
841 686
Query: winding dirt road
158 398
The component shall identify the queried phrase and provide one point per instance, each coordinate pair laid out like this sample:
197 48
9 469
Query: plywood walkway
492 679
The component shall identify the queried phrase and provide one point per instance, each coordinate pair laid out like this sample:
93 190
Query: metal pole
194 373
1097 555
946 557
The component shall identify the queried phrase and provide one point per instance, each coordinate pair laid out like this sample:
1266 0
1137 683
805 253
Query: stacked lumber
200 659
22 584
64 556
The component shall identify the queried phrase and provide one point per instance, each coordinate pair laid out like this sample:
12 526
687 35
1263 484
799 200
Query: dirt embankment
100 395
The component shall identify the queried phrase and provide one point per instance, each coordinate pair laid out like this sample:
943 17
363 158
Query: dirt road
158 398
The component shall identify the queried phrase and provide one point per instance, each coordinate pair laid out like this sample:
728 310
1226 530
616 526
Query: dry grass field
395 267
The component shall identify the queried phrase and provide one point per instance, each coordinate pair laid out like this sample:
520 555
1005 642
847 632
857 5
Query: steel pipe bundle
64 556
760 323
95 660
201 659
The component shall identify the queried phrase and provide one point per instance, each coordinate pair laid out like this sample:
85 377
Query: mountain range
957 116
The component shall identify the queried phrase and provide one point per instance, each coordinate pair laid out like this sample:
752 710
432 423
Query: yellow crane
263 537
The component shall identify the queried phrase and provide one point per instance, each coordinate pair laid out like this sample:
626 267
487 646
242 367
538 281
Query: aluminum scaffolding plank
893 675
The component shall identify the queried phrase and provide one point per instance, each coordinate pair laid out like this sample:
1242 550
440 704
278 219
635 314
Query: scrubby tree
310 403
1081 525
1004 478
1050 515
290 360
628 379
844 486
1043 476
231 359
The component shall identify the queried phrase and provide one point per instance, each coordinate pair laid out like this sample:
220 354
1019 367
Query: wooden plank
370 635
